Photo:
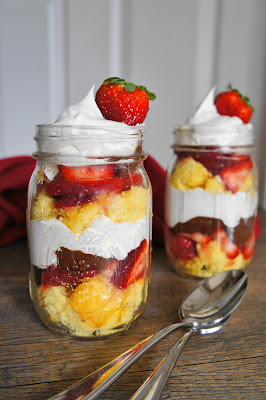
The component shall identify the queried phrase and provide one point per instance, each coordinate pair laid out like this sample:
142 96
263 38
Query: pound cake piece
189 174
86 313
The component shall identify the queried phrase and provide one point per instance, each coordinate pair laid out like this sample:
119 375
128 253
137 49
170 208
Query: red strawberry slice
183 247
140 264
69 194
249 247
213 161
229 247
54 276
123 101
96 174
198 238
123 273
61 187
241 157
234 175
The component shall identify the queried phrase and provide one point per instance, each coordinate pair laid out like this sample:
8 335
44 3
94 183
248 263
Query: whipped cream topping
87 113
103 238
183 206
208 128
86 133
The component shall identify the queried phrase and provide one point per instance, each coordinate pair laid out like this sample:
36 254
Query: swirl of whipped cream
208 128
86 133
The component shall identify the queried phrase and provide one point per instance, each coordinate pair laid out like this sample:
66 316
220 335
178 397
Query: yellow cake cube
214 185
130 205
189 174
44 208
78 218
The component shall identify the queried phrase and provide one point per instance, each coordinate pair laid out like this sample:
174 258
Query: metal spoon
152 388
210 302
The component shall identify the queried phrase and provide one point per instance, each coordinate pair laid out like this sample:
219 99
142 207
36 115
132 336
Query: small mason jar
211 201
89 230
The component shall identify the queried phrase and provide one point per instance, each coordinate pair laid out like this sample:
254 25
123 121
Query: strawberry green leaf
245 98
151 95
110 79
130 87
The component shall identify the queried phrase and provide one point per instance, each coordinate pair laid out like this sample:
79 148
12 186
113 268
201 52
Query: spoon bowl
213 299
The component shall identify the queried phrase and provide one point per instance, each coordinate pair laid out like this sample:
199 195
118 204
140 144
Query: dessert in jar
212 196
89 215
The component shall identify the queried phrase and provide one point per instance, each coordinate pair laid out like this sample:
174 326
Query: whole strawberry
123 101
232 103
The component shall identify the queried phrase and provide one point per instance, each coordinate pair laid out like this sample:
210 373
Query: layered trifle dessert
89 215
211 200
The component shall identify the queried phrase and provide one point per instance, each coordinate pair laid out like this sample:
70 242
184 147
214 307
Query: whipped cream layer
182 206
81 130
208 128
103 238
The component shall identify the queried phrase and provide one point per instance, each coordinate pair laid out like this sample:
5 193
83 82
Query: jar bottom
195 268
68 323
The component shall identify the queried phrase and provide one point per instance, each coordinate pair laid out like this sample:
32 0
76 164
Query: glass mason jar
89 230
211 205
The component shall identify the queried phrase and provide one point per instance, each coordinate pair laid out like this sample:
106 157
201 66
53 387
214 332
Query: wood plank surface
36 363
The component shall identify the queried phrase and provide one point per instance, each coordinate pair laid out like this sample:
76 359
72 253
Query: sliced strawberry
61 187
212 161
234 175
229 247
249 246
54 276
241 157
183 247
198 238
122 273
69 194
118 184
133 179
140 264
88 173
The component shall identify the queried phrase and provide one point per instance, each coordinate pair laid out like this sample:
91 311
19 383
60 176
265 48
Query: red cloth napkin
157 175
15 173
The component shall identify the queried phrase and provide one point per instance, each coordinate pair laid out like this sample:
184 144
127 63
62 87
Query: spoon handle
93 385
152 388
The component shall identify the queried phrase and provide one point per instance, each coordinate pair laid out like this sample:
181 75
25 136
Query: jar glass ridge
89 230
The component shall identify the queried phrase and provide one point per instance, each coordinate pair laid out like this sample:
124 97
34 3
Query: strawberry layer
69 193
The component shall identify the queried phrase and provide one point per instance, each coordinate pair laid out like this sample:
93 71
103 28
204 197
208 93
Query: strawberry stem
129 86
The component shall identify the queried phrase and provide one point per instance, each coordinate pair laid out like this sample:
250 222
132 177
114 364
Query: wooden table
231 364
